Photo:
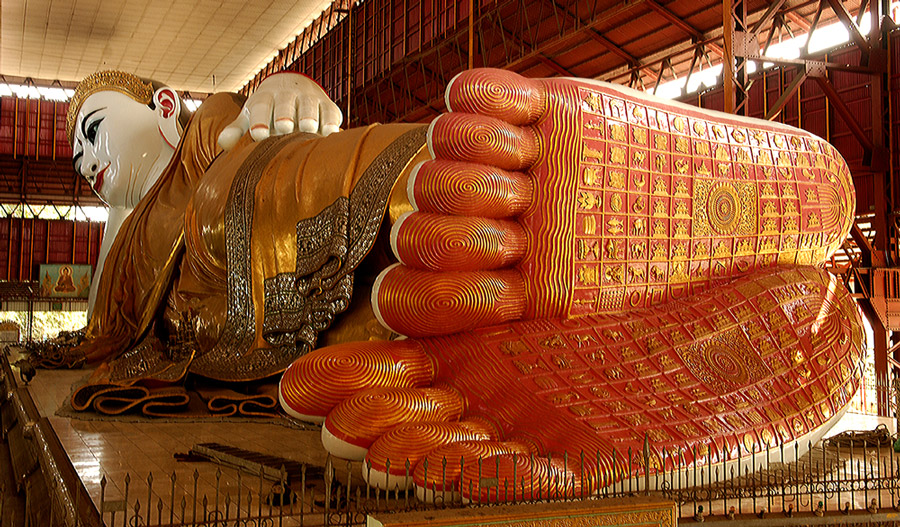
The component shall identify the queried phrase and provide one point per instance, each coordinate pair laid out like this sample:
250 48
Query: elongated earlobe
168 107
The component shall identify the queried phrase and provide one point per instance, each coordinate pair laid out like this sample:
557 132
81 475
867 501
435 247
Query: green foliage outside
46 324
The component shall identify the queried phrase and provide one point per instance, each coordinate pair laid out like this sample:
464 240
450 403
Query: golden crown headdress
120 81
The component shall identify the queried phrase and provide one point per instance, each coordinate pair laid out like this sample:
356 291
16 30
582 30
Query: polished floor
130 450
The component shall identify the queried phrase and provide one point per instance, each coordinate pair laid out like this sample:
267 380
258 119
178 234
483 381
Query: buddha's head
123 130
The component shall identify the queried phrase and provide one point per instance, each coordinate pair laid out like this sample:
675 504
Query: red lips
98 182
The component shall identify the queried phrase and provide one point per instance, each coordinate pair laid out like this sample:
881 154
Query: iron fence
847 476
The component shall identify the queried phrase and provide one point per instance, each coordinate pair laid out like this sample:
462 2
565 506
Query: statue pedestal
633 512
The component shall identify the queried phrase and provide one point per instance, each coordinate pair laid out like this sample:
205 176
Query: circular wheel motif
725 363
724 208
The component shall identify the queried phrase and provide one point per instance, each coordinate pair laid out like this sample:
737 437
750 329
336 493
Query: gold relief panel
638 204
764 157
588 200
703 167
812 195
588 249
701 148
679 124
660 142
742 155
639 180
592 176
746 246
660 162
812 221
614 226
618 132
724 363
698 127
594 127
636 113
616 179
770 226
718 132
612 299
615 202
722 154
701 249
617 155
638 158
659 229
784 159
616 108
638 227
738 136
790 208
660 207
637 274
592 153
589 225
639 136
813 145
588 275
614 249
592 102
660 187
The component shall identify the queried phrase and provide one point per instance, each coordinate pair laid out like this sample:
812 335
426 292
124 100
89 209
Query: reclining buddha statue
551 270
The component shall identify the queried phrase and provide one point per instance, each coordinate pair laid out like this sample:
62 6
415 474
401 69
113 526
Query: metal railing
849 478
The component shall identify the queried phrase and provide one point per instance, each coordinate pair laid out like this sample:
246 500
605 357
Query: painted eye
91 134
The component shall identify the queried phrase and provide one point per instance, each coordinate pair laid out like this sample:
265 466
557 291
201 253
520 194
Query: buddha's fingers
353 425
415 302
479 139
314 384
393 457
469 189
497 93
437 242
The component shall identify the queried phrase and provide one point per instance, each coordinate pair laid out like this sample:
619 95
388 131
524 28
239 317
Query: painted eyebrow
84 121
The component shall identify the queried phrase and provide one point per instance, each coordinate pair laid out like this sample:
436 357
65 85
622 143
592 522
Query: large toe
479 139
438 475
314 384
392 458
498 93
420 303
468 189
354 424
437 242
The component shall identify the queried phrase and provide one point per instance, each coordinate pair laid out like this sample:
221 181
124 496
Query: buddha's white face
119 147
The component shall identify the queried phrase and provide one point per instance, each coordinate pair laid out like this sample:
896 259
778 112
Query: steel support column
734 66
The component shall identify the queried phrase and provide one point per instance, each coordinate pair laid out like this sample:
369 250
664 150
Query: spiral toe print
585 268
587 197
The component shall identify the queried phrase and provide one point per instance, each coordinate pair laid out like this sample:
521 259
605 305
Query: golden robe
234 262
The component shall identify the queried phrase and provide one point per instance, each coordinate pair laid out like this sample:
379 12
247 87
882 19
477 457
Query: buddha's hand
760 362
555 198
284 103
